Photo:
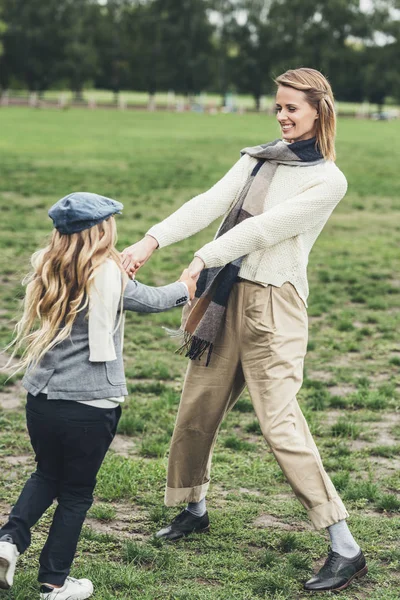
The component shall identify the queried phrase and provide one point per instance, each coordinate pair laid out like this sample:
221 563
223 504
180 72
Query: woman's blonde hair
58 288
318 94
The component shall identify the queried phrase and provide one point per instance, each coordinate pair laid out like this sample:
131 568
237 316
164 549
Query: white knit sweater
275 244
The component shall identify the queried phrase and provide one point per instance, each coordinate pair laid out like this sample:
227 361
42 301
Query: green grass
154 162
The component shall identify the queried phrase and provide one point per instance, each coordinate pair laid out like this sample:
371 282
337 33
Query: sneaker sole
4 566
205 530
72 597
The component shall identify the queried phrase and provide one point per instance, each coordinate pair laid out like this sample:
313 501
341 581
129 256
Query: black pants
70 441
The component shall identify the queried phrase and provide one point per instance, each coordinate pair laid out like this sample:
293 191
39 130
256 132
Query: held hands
136 255
191 275
190 281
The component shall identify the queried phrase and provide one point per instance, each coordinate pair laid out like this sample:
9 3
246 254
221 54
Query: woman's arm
286 220
191 217
198 213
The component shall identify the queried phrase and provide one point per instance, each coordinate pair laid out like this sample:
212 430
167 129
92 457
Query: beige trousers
262 345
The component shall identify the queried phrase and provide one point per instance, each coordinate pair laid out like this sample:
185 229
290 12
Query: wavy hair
58 287
318 94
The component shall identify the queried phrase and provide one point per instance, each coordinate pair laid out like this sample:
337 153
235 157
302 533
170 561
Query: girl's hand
190 282
196 267
136 255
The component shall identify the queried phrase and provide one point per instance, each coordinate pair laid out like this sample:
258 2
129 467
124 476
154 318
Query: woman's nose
281 116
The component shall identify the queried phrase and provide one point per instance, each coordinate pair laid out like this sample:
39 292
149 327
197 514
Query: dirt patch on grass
250 492
341 390
127 523
382 429
331 416
320 375
24 459
11 400
123 445
266 521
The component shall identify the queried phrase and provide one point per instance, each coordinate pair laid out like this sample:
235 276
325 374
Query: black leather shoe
337 573
184 524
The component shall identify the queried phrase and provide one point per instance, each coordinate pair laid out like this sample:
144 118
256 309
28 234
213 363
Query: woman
248 324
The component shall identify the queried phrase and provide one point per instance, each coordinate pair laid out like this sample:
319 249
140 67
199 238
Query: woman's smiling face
297 118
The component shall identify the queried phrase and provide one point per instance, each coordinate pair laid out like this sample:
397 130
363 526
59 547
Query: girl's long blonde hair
58 288
318 94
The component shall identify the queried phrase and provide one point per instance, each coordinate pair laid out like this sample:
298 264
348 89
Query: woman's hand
190 281
196 267
136 255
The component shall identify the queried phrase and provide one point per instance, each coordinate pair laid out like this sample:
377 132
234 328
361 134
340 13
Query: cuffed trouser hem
175 496
324 515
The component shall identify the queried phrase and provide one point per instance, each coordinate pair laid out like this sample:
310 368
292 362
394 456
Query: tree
185 41
111 45
225 15
79 62
255 40
32 42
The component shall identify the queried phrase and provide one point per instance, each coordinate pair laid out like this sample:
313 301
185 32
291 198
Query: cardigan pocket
115 373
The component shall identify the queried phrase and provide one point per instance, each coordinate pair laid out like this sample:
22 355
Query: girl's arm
105 301
147 299
286 220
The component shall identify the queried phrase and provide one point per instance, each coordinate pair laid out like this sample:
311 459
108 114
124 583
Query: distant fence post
203 101
33 99
363 110
91 102
170 100
62 100
151 106
122 104
4 98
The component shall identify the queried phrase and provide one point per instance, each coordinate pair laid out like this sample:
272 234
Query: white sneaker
8 560
73 589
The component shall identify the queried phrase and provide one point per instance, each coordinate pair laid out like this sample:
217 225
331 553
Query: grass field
261 545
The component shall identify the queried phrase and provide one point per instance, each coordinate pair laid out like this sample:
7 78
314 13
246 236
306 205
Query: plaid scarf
202 321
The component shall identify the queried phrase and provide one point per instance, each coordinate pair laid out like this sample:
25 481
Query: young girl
72 330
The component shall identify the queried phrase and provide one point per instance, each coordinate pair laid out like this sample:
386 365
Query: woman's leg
86 433
208 394
273 371
274 376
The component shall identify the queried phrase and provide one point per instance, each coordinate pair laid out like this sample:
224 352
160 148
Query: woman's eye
277 109
291 109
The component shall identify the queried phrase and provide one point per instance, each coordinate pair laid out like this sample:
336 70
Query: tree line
193 46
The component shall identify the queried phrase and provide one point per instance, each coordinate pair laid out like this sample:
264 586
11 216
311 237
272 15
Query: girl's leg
87 433
42 487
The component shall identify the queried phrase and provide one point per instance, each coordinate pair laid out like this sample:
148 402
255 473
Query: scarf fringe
194 347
